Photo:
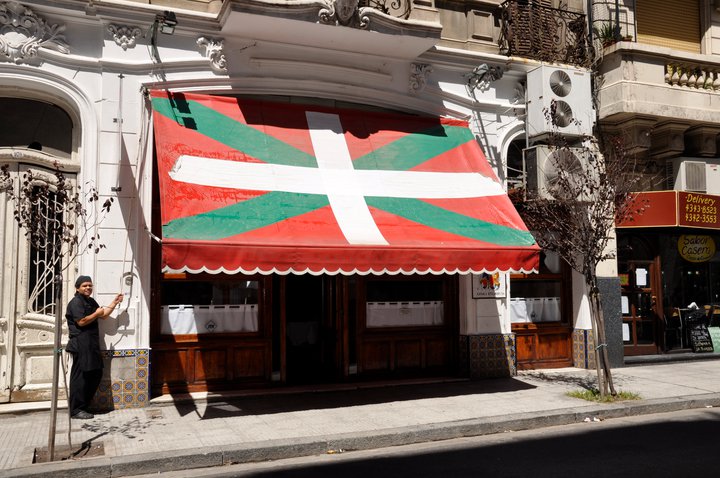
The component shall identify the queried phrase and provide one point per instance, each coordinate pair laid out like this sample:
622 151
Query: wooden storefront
310 329
543 329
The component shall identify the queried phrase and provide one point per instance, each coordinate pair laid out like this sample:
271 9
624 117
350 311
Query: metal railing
533 30
395 8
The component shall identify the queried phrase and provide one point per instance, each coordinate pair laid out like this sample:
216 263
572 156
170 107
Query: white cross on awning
335 177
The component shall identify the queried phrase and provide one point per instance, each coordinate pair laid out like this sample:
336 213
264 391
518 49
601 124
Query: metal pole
56 365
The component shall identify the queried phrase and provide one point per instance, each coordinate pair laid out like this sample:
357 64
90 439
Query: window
35 125
45 253
45 132
538 298
670 23
209 307
404 303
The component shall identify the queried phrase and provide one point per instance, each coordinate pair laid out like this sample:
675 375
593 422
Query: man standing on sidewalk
82 315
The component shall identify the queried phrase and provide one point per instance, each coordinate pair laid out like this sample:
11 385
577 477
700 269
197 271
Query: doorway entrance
641 308
312 328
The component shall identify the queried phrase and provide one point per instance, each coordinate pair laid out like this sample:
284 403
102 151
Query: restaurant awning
264 187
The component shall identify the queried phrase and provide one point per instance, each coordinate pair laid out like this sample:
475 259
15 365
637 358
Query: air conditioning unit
559 100
542 164
697 175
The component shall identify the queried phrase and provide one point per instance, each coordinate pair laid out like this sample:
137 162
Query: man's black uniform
84 345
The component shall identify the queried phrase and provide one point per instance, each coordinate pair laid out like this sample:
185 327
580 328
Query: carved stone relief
23 33
124 36
35 342
344 12
519 97
418 76
214 51
481 77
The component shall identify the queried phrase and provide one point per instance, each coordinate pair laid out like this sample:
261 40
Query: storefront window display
665 275
538 298
690 270
397 303
209 307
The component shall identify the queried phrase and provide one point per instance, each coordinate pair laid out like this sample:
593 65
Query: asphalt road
679 444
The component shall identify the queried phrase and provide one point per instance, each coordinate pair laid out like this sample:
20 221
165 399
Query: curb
206 457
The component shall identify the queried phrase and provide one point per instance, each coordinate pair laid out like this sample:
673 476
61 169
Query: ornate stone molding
418 76
636 133
519 98
38 158
481 77
668 140
347 13
22 33
214 51
3 329
701 141
37 331
125 36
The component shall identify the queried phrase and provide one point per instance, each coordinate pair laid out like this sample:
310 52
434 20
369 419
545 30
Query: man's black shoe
83 415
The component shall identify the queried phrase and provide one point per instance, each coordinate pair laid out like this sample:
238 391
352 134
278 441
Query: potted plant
605 33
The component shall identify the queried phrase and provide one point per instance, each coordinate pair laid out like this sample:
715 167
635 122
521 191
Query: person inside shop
82 315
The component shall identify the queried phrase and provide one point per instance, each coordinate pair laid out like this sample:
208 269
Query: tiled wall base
125 382
485 356
583 349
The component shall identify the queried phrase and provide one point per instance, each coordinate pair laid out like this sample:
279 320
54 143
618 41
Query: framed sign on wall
488 286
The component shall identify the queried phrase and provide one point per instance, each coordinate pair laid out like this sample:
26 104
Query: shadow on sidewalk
585 382
227 405
682 447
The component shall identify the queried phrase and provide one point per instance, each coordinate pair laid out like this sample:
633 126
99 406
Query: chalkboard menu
700 338
715 335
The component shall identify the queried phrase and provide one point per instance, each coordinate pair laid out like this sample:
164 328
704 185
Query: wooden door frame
655 283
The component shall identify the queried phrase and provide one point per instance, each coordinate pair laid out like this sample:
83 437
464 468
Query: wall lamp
166 22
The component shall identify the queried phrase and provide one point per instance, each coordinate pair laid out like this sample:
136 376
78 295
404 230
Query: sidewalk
209 431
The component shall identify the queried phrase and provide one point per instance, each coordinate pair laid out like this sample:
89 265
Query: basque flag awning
263 187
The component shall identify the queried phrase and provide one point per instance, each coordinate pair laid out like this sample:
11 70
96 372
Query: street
676 444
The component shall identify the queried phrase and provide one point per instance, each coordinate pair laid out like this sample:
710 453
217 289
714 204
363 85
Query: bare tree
573 212
56 222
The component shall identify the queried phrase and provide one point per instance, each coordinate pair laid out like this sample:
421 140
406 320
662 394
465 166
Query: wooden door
641 310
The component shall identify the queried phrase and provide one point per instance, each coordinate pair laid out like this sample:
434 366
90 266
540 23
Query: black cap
82 279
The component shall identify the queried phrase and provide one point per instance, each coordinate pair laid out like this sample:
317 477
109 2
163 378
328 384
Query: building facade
118 93
658 91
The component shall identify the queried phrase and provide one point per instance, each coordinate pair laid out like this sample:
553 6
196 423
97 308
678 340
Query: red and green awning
261 187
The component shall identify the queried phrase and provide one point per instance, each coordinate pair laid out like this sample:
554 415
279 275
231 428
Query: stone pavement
175 433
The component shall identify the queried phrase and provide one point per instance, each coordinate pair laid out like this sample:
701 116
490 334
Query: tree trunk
598 361
57 350
606 358
605 381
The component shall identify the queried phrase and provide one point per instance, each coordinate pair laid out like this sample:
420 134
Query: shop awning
263 187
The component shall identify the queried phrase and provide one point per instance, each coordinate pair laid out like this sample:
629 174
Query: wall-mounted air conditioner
697 175
542 165
560 100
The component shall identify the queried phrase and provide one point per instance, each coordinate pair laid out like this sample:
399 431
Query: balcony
403 29
531 30
393 8
665 102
